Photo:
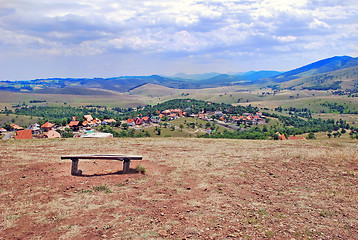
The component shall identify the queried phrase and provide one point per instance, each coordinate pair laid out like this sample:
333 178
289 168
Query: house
146 120
96 122
97 135
166 112
218 113
52 134
155 119
208 130
88 118
2 130
108 121
138 121
296 138
47 126
173 116
23 134
74 125
35 128
281 136
16 127
130 122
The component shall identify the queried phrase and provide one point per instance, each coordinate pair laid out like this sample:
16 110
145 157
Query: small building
47 126
146 120
74 125
130 122
108 121
281 136
88 118
138 121
52 134
23 134
296 138
16 127
35 128
97 135
218 113
155 119
166 112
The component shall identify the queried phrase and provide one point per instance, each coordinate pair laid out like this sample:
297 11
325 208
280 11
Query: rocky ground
192 189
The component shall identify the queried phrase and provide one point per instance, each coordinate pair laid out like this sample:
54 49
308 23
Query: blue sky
108 38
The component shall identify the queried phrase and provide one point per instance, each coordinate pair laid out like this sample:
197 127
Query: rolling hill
152 90
344 79
319 74
322 66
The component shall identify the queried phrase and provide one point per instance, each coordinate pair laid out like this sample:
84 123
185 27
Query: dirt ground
192 189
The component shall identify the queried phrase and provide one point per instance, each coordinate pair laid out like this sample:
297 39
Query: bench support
119 157
74 168
126 165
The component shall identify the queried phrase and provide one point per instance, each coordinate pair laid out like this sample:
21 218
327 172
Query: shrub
141 169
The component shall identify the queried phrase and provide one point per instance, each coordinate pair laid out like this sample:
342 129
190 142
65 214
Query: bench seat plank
119 157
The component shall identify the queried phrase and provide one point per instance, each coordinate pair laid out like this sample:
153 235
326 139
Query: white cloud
317 24
174 29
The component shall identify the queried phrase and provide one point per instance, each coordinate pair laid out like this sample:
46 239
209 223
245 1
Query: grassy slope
347 76
110 100
23 121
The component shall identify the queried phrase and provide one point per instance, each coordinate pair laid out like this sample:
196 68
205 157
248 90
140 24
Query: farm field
192 188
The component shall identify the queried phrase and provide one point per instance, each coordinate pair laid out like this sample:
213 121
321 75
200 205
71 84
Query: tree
311 135
181 127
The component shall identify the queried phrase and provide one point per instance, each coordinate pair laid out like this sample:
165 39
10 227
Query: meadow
192 188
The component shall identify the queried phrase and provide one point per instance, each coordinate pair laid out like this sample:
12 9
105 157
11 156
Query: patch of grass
102 188
326 213
262 212
141 169
269 234
84 191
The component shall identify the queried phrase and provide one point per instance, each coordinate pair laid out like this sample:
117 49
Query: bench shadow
130 171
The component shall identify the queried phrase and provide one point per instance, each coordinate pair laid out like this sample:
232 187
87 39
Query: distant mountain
311 72
202 76
322 66
253 76
243 78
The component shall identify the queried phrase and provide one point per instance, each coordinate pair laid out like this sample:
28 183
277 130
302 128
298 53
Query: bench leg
74 168
126 165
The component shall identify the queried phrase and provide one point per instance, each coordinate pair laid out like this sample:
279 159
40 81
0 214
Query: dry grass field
192 189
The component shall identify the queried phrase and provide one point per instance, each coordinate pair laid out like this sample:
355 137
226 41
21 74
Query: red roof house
24 134
130 121
47 126
16 127
52 134
296 138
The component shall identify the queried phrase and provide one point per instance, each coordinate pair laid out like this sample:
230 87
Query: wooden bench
119 157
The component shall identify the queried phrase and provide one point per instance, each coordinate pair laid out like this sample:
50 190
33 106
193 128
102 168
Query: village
88 128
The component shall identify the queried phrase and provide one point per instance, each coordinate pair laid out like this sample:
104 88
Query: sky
110 38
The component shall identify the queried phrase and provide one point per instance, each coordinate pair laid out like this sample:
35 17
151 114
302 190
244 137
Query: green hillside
340 79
